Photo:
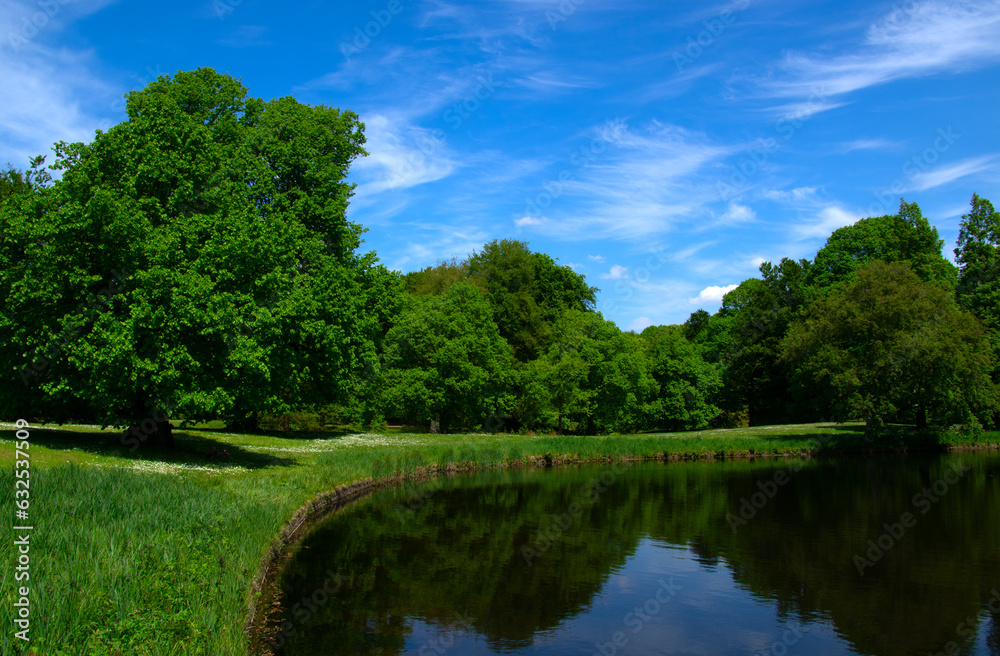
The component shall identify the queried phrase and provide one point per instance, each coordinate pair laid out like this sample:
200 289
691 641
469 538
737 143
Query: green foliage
757 315
528 292
978 257
903 237
687 384
193 260
446 362
889 343
15 183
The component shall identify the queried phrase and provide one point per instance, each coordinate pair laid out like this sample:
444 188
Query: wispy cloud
737 213
246 36
865 144
643 182
400 156
50 94
924 38
826 221
944 174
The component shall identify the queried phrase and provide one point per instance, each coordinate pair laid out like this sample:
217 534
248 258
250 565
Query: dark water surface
769 557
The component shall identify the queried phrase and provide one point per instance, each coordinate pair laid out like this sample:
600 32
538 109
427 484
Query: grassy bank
154 552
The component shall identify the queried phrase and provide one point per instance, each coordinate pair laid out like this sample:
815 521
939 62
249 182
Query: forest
195 263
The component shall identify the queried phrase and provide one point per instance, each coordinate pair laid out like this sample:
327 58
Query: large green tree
889 343
903 237
194 260
528 292
445 362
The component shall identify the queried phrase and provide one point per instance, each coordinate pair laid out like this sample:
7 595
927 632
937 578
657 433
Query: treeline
195 262
878 326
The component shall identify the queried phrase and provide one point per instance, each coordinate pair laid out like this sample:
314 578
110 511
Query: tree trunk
436 424
869 426
921 417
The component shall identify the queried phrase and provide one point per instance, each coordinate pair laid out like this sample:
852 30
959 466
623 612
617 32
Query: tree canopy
889 343
903 237
194 260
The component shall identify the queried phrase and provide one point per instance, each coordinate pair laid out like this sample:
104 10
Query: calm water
662 559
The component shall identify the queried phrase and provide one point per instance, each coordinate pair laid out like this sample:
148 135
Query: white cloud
527 221
400 156
737 213
923 38
712 294
617 272
829 219
639 324
792 196
865 144
945 174
638 183
596 258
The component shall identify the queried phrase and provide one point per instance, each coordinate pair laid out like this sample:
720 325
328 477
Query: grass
156 552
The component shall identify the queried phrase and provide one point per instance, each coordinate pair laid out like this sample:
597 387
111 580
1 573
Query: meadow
160 552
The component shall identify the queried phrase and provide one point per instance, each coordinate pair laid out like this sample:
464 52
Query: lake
880 556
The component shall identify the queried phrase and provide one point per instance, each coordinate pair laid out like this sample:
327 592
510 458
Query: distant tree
528 292
758 314
620 379
555 387
889 342
446 364
903 237
193 261
439 278
687 385
978 257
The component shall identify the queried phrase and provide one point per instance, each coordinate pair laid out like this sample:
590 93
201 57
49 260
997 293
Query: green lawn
156 552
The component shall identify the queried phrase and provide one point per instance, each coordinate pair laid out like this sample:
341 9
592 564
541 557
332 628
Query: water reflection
692 558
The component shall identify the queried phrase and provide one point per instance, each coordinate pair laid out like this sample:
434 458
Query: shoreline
263 592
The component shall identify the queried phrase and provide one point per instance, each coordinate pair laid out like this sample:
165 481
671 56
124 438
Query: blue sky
663 149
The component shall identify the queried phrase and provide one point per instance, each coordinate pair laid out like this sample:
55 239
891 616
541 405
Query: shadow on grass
188 449
850 438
